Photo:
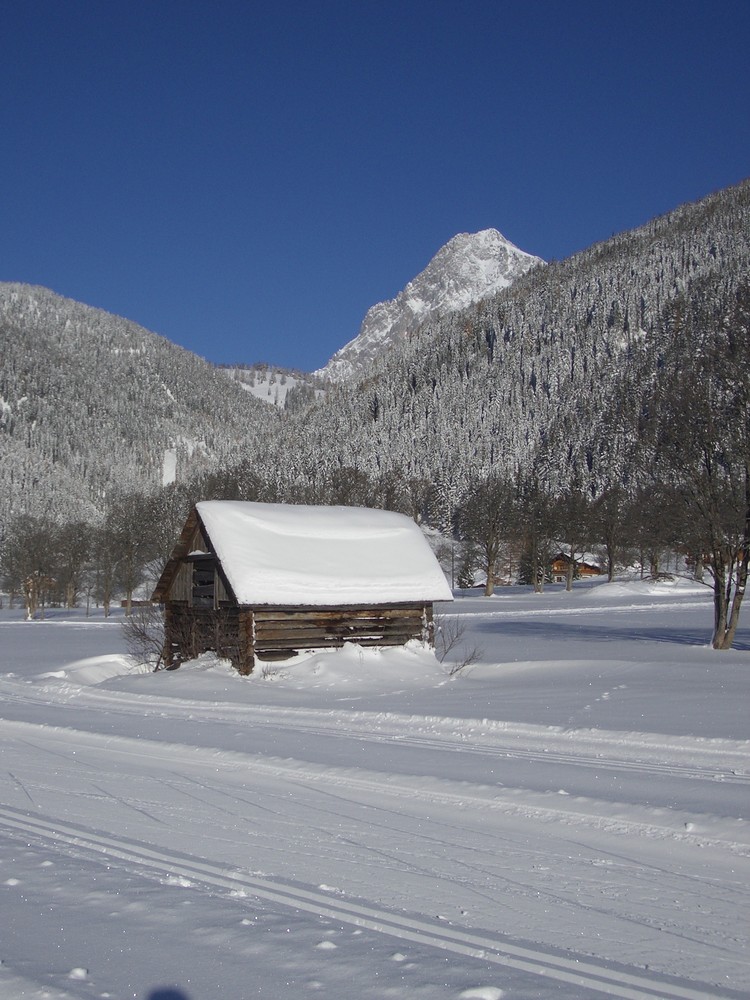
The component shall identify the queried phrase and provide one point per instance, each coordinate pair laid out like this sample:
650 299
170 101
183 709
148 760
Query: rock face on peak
470 267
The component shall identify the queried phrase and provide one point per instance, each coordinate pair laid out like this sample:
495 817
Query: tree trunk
734 575
489 588
653 560
537 570
739 595
32 596
570 573
720 616
698 571
730 584
491 551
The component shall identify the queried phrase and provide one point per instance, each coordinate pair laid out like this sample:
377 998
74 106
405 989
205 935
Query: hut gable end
193 573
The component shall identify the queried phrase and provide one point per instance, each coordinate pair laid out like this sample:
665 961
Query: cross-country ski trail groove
579 971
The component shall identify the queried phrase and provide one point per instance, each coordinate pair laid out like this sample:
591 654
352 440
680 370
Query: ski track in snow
193 871
576 862
716 759
204 795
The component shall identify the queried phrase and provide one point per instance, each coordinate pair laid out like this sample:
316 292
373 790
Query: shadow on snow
562 631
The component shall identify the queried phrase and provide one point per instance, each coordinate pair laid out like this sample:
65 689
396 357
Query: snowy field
567 818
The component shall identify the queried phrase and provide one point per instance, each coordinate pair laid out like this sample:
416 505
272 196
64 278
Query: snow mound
663 587
482 993
96 670
355 668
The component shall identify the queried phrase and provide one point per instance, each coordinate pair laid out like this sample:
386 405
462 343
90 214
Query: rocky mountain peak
470 267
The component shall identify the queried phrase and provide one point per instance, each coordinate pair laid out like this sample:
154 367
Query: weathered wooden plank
326 621
311 642
290 639
341 635
262 649
386 640
320 614
337 621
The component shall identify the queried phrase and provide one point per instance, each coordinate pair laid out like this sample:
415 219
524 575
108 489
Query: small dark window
204 587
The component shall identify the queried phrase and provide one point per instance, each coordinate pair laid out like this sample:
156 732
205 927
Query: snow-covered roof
304 555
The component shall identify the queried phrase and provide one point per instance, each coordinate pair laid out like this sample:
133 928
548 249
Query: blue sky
246 179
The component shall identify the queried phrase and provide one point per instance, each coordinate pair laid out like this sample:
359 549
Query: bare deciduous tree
698 415
29 559
143 631
450 631
485 520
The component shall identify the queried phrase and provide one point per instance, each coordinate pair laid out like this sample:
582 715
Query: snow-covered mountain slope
469 268
272 384
92 404
544 375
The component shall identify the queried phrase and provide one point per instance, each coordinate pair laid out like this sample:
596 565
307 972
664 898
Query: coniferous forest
600 404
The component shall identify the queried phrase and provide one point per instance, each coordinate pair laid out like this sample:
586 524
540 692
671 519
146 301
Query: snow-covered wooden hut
256 579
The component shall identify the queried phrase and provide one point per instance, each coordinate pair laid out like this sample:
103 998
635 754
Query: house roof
283 554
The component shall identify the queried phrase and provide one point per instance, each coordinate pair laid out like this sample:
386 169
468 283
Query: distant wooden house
266 580
560 565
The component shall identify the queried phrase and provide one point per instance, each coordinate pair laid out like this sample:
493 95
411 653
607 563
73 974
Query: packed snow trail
567 969
579 802
482 857
685 775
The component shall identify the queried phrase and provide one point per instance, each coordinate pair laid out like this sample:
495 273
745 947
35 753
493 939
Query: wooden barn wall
182 584
241 634
198 542
222 597
192 631
312 628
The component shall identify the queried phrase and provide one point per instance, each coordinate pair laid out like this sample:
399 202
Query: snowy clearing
566 818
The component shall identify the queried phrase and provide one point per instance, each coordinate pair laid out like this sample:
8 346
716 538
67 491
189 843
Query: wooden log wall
283 629
242 633
191 631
